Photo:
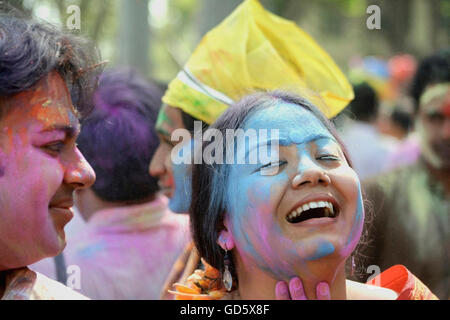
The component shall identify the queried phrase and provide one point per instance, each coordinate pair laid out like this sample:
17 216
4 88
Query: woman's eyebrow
315 137
268 142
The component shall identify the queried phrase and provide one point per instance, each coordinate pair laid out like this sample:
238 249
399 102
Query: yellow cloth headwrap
253 49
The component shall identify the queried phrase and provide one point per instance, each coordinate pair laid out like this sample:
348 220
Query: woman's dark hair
208 204
118 138
433 69
29 50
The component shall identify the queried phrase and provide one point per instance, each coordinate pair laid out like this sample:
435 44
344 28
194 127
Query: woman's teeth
328 209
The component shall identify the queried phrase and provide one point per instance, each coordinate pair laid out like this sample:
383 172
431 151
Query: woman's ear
225 241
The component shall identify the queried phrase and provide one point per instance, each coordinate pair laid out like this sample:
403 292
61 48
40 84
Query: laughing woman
283 229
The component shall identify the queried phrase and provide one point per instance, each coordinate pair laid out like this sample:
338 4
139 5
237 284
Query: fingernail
297 283
281 287
323 288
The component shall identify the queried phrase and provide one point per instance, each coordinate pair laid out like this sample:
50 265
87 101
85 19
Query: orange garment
402 281
184 266
397 278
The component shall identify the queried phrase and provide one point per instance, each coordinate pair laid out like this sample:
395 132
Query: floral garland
201 285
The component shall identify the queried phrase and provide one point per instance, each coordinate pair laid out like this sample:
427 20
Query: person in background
412 204
131 239
368 148
400 125
46 81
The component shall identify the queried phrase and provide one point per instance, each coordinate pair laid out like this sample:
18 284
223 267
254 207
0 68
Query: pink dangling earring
227 279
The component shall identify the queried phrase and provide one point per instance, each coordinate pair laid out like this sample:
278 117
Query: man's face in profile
40 167
434 125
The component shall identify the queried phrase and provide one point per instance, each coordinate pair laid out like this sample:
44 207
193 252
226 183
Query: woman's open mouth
313 210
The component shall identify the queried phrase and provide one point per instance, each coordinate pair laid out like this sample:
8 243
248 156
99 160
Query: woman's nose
157 166
310 174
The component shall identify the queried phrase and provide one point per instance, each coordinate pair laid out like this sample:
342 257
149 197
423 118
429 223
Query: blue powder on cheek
324 249
358 218
248 196
181 200
182 174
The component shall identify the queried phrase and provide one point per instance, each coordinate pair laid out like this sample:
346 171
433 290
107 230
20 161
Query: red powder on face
36 102
23 134
446 109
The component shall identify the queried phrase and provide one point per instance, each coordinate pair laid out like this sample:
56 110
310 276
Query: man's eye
436 117
55 147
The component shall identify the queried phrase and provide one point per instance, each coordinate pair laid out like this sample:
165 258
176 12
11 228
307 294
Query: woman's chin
322 265
325 269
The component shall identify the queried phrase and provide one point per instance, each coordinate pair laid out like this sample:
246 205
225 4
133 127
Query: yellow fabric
253 49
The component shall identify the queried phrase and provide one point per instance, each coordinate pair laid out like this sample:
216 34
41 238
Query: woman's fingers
282 291
323 291
296 289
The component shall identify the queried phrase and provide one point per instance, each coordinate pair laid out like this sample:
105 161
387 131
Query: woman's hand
295 290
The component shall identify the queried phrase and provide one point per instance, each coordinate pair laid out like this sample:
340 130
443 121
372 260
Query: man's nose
79 172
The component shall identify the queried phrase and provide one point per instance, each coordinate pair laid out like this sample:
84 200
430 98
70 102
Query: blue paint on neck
324 249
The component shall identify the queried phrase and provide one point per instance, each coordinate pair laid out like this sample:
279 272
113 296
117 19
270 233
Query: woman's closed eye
270 166
328 157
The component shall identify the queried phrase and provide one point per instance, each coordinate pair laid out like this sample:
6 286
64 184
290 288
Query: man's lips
62 204
61 211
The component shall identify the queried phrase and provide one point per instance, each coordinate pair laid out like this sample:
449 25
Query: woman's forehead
294 123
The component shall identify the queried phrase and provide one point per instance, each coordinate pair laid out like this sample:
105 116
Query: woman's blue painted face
182 175
264 214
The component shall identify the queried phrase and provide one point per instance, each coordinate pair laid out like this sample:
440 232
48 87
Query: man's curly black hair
31 49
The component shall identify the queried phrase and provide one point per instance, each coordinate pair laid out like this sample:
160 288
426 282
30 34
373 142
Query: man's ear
226 241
